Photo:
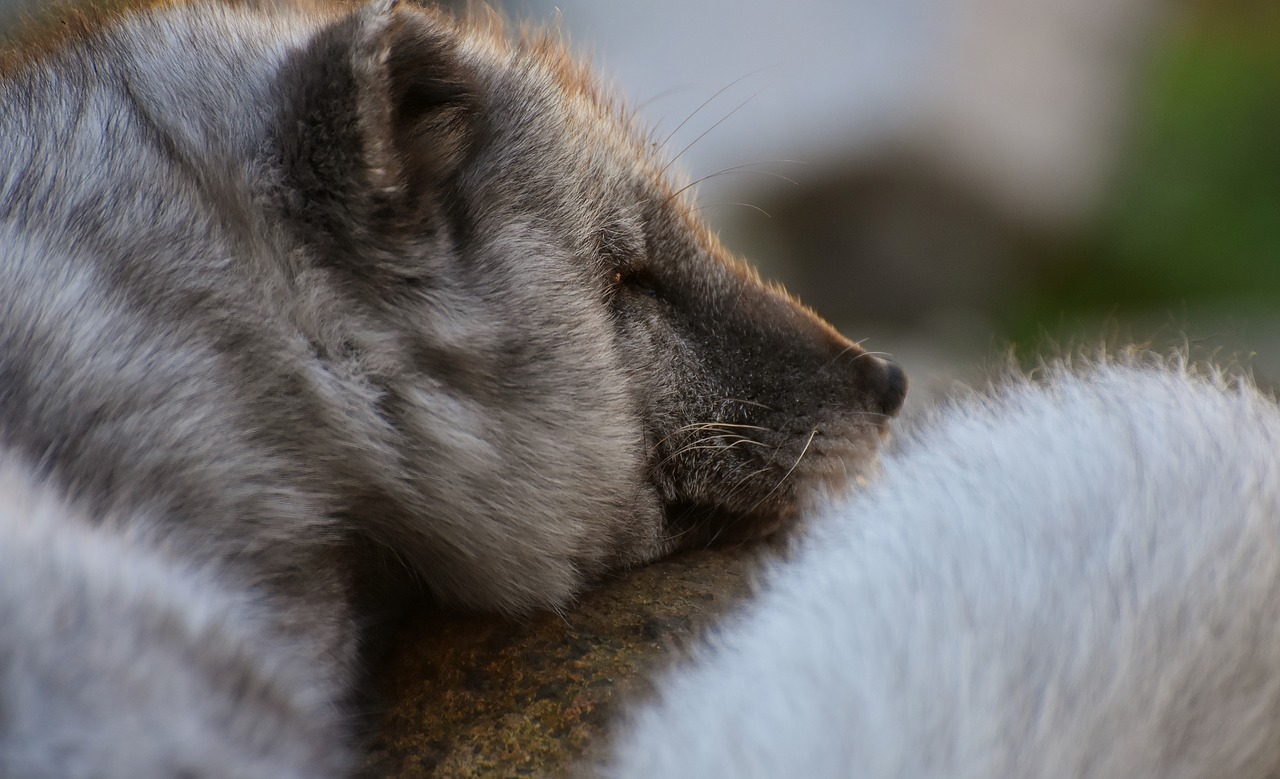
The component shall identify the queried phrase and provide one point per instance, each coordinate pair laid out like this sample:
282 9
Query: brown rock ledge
483 696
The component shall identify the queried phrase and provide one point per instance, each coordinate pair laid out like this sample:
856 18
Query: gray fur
98 659
1076 578
326 305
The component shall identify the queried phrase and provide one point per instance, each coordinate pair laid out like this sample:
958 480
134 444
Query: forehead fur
532 50
542 52
546 49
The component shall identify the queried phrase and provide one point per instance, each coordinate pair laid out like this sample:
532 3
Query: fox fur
1077 576
309 309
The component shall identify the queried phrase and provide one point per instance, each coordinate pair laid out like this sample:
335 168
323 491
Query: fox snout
888 384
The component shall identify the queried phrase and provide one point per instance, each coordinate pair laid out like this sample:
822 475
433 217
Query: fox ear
415 99
378 111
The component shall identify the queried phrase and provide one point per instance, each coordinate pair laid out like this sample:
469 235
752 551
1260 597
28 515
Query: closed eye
638 282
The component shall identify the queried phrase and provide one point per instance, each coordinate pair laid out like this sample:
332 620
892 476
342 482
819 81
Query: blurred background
945 179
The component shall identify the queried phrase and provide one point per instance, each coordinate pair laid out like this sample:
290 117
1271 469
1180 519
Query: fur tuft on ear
370 51
378 112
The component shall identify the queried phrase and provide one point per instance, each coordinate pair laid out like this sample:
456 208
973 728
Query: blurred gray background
948 178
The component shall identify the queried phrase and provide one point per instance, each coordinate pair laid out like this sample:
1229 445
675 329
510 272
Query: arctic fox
1078 576
307 308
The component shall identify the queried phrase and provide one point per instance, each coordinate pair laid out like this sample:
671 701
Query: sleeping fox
304 308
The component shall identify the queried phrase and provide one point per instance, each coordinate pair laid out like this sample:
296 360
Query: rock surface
484 696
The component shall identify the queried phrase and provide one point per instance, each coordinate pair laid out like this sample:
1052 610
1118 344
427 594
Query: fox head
587 378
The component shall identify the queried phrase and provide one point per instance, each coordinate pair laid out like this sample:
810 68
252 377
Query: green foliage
1196 215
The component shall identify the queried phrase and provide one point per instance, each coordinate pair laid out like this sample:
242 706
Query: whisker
737 426
690 428
718 447
693 528
842 353
715 536
714 205
702 444
786 475
708 425
744 168
677 536
736 109
872 414
740 485
663 94
856 345
708 101
698 427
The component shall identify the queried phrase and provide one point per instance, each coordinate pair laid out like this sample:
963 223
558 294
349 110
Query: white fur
106 639
1076 578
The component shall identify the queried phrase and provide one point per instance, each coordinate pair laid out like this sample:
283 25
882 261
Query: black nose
894 390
